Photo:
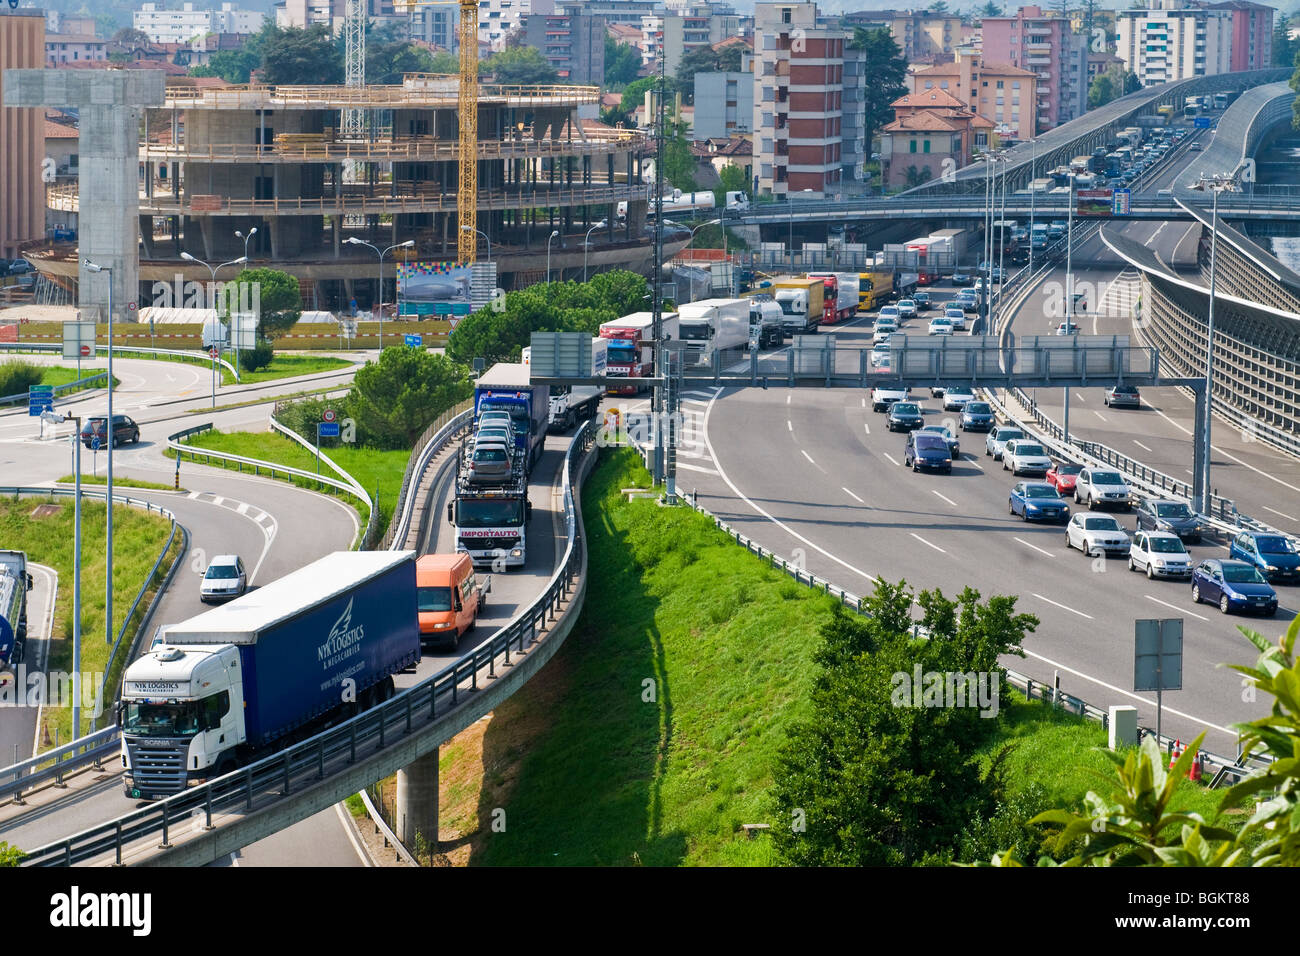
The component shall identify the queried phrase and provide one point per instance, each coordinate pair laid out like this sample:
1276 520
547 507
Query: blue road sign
95 442
328 429
414 341
40 398
40 389
35 407
1121 199
1201 122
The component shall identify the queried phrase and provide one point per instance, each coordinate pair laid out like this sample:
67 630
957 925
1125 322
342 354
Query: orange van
449 597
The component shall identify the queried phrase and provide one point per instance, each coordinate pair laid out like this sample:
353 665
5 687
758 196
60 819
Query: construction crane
466 104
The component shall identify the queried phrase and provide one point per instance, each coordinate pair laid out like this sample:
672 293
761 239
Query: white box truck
713 325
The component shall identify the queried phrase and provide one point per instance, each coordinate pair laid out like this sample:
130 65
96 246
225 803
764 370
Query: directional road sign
414 341
328 429
1201 122
40 398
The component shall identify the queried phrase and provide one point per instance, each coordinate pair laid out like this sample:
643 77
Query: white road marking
891 458
808 456
1185 431
787 399
853 496
1062 606
1076 396
864 403
1036 548
945 498
927 543
243 508
700 468
1175 607
1278 513
1100 415
789 425
350 831
1246 464
867 426
218 500
1140 445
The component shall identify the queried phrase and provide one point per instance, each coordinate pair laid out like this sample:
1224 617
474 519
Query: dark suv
124 430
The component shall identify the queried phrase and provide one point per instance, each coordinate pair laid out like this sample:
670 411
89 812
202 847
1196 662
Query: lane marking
1185 431
891 458
1175 607
1142 446
789 425
243 508
867 426
1260 471
944 497
927 543
1035 547
864 403
808 456
787 399
1278 513
1100 415
700 468
1077 397
1062 606
852 495
345 821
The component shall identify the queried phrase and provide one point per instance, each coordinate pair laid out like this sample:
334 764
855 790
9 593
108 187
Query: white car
1102 486
996 443
906 308
883 330
940 326
1160 554
1096 534
955 398
958 318
225 578
1023 456
884 396
889 313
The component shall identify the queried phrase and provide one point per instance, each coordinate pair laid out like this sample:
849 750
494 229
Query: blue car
1273 554
1037 501
927 450
977 417
1234 586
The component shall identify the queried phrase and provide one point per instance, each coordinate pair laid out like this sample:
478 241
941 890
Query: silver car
224 579
489 461
1096 534
996 443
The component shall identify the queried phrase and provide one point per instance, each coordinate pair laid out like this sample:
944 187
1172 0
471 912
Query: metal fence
432 441
414 711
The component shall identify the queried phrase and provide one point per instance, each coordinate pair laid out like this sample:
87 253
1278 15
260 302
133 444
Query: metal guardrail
409 712
434 439
372 506
124 351
257 465
58 389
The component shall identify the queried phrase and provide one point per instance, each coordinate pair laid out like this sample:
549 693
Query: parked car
1102 486
957 397
926 450
1096 534
224 579
1062 476
996 443
886 395
1234 586
1126 396
1274 555
1037 501
1165 514
904 416
944 432
977 417
1160 554
94 433
1025 456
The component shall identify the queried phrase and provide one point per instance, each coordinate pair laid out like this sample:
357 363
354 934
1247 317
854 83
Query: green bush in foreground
17 376
10 855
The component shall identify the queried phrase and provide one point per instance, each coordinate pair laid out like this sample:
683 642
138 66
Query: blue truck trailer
15 585
276 665
506 387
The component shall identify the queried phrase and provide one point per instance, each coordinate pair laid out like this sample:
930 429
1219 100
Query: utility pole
656 274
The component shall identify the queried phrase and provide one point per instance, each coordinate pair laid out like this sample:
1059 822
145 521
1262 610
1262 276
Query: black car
1156 514
977 417
927 450
904 416
94 431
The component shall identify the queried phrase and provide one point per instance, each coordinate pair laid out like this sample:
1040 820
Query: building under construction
219 160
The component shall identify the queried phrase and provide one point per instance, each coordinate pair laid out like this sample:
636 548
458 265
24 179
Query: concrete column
417 801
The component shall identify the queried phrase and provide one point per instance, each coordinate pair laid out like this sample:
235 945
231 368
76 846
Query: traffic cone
1175 753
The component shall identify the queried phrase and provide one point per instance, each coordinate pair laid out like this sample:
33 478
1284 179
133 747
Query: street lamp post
554 234
1033 174
212 271
1069 295
379 297
485 238
108 499
251 233
586 246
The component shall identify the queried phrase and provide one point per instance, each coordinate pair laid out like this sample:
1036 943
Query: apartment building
1172 41
1044 43
695 26
724 104
497 19
163 25
331 13
613 11
69 23
1005 95
798 92
1252 34
574 44
933 132
923 35
61 48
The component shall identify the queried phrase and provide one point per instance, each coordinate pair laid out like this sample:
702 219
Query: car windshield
978 408
161 720
1068 469
517 411
221 571
1023 449
930 442
1040 491
1275 544
433 599
1168 546
489 454
937 430
1242 574
1006 434
1101 524
1107 478
903 408
1174 510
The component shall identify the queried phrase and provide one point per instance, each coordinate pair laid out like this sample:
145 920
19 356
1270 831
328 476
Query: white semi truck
713 325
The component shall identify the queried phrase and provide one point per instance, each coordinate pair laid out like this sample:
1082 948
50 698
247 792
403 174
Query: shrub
18 376
258 357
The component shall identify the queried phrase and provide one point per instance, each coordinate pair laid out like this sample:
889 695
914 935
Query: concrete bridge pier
417 801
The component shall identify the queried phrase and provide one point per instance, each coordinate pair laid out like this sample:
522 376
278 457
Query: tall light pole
213 270
1069 295
251 233
108 499
586 245
1033 175
554 234
408 244
485 238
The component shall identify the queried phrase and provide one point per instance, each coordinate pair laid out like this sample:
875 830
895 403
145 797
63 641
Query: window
999 86
913 149
929 84
943 84
926 145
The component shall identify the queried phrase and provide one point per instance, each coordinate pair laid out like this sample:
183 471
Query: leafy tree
939 6
679 162
705 59
1107 86
389 54
731 179
887 68
259 356
622 63
279 297
916 176
236 66
444 62
521 65
615 116
302 56
10 855
394 400
1284 47
130 38
914 788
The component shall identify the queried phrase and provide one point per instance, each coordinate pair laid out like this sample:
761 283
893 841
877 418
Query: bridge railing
410 712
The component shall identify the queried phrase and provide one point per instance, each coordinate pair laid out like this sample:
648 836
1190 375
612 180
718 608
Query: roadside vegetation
18 375
284 366
43 528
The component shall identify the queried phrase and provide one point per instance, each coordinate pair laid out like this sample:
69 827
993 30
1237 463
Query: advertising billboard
1094 202
433 288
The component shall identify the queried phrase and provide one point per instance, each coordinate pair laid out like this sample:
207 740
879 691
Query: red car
1062 477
